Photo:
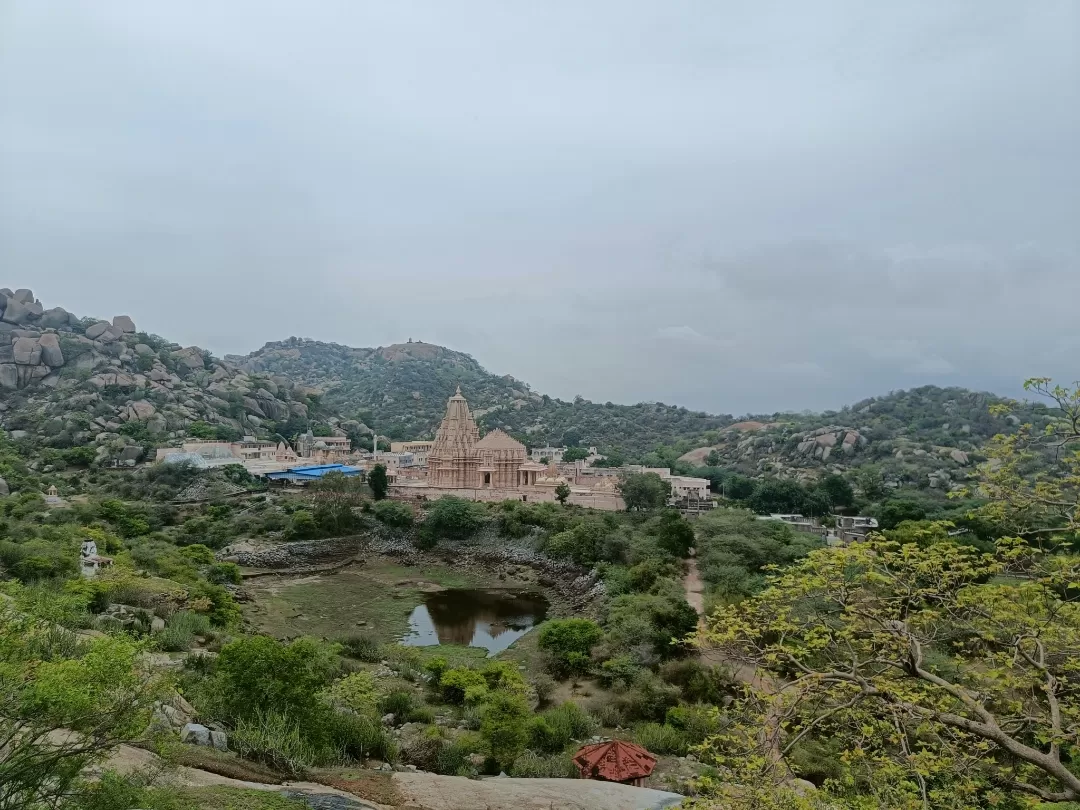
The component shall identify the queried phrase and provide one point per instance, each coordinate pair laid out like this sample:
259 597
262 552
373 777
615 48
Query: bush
699 683
544 686
463 686
531 765
568 643
393 513
224 573
399 703
504 728
357 692
622 669
570 722
454 759
696 723
424 749
648 699
273 739
363 647
259 673
181 629
452 519
360 737
660 739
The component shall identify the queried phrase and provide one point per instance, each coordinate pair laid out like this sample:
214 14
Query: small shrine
615 761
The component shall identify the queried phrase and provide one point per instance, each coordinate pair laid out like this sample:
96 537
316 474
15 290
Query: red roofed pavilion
615 761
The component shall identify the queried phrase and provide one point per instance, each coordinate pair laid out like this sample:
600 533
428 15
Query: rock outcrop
82 380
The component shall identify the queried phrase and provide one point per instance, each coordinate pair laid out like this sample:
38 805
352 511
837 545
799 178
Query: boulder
191 358
50 350
27 351
959 456
17 311
124 324
143 350
23 296
195 734
138 411
98 329
55 318
157 624
219 741
7 353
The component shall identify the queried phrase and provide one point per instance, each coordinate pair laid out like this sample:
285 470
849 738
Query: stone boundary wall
604 501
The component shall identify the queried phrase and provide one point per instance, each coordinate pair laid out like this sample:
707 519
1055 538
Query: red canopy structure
615 761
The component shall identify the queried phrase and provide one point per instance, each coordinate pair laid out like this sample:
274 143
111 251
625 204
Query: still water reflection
475 618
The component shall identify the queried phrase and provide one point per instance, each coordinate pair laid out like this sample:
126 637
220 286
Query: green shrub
224 573
544 686
504 728
359 737
531 765
568 643
393 513
357 692
423 750
363 647
570 722
463 686
696 722
273 739
660 739
454 759
436 668
648 698
452 519
181 629
699 683
607 715
399 703
622 669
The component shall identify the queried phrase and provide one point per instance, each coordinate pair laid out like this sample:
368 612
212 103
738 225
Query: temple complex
460 459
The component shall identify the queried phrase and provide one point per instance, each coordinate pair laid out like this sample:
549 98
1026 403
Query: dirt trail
695 596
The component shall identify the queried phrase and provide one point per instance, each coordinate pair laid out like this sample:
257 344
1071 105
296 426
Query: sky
736 207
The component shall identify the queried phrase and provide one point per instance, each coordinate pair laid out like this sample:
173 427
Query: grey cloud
731 206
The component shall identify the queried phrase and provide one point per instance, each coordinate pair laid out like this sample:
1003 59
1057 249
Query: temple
460 459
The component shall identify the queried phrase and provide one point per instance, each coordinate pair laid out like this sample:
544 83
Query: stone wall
606 501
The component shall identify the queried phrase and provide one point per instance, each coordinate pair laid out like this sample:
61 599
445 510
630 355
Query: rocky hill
68 383
929 437
401 391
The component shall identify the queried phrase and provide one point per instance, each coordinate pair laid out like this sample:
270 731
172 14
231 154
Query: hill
927 437
84 390
401 390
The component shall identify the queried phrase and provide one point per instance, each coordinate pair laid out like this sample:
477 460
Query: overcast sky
733 206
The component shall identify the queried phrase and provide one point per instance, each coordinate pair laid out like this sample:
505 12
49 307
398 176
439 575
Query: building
307 474
797 522
460 459
851 528
324 449
419 451
542 454
686 488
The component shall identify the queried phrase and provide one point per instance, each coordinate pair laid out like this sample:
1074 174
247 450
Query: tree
713 459
568 643
261 673
63 706
943 677
838 491
641 491
776 495
676 535
378 482
504 727
895 512
1023 499
575 454
453 519
562 492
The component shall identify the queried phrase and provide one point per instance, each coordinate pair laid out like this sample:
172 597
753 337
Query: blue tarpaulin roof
313 472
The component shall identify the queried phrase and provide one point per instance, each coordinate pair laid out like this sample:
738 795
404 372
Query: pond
492 619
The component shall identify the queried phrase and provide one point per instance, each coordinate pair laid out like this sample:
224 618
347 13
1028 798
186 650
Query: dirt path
695 596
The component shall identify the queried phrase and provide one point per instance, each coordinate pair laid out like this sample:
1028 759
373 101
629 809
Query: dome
320 445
